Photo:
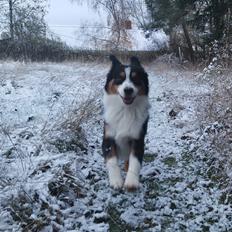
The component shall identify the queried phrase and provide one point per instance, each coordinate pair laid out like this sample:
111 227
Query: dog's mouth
128 100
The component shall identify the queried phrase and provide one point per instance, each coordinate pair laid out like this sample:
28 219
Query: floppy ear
135 61
114 60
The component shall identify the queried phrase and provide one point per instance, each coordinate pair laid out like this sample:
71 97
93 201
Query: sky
65 17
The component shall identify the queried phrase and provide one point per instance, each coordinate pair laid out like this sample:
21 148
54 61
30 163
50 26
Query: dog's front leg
110 154
135 163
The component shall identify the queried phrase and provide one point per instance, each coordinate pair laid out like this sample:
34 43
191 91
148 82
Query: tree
118 12
24 28
206 19
17 14
211 16
168 15
11 19
138 11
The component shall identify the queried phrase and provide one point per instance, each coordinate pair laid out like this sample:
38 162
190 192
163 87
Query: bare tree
117 14
11 19
138 11
18 12
23 28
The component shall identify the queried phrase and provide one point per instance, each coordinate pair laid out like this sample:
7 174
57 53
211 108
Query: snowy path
67 188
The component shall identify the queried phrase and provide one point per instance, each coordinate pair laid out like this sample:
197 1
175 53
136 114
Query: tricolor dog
125 121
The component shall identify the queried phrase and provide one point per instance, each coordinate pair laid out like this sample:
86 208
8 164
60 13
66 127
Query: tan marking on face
136 78
133 74
141 90
112 88
122 74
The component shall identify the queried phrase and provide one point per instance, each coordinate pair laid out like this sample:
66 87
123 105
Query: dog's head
127 81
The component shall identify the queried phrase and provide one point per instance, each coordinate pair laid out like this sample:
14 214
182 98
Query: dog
126 113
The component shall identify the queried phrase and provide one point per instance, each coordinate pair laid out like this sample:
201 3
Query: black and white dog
125 121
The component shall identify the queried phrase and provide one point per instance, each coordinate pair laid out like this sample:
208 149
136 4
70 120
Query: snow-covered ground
52 174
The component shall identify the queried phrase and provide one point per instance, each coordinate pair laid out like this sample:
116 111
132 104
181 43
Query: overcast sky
65 17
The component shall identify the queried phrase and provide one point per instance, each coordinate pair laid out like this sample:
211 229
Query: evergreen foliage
202 22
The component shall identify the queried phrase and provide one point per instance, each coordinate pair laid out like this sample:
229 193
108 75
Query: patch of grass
171 181
34 212
64 185
8 153
115 222
149 157
170 161
153 189
70 144
166 222
21 209
226 198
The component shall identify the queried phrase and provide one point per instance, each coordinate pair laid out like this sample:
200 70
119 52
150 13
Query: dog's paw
131 183
116 182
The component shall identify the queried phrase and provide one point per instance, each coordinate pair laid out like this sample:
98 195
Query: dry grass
67 133
217 109
215 115
81 114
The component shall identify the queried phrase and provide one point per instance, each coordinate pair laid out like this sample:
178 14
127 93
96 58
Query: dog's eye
135 79
118 81
120 78
122 74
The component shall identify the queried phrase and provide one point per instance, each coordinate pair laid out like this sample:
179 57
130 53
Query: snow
70 187
154 42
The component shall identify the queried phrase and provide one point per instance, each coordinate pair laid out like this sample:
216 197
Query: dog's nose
128 91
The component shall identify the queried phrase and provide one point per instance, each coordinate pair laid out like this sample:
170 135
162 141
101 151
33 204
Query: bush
39 49
215 115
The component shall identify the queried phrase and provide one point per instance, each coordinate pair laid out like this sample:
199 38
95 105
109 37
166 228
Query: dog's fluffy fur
125 116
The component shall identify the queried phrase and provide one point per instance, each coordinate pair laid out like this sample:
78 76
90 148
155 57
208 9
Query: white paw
131 182
116 182
114 173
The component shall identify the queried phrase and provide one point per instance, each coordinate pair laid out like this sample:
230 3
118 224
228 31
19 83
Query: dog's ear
114 60
135 61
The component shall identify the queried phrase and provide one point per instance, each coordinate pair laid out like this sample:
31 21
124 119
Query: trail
69 185
176 193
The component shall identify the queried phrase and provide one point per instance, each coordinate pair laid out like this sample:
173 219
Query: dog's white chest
125 121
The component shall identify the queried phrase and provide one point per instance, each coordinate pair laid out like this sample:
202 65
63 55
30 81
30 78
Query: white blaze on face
127 84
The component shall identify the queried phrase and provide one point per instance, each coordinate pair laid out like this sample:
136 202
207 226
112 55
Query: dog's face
127 81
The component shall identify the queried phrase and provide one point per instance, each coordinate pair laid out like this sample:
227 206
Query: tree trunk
11 19
189 43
